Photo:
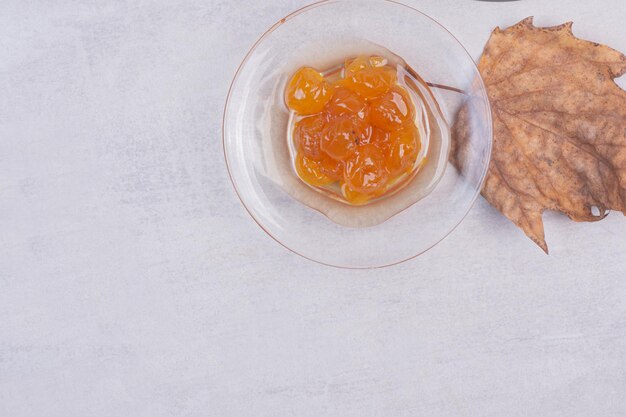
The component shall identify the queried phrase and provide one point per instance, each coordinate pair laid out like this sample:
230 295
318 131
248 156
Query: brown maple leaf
559 126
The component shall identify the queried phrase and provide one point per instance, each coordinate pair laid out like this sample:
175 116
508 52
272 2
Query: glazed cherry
402 152
354 65
308 136
310 171
307 92
369 82
345 102
355 197
331 168
393 110
365 171
342 135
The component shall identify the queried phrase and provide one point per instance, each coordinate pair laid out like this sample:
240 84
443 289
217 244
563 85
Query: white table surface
133 283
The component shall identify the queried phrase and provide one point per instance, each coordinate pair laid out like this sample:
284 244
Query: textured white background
133 283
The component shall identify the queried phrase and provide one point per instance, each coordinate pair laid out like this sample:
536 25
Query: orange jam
357 131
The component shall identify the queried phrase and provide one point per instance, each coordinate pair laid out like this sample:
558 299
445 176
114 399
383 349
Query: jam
355 133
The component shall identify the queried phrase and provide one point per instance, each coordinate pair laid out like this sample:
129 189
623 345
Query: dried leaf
559 123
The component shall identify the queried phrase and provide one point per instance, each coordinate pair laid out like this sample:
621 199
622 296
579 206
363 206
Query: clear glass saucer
255 134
